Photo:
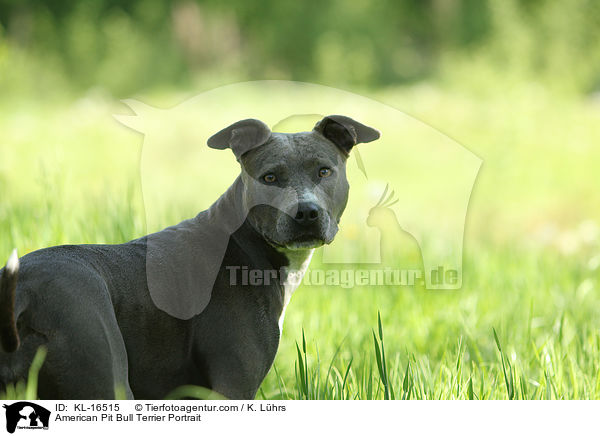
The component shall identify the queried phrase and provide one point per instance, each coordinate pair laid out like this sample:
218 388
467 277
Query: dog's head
295 187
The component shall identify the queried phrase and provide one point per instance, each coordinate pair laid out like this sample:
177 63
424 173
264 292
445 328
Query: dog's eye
325 172
270 178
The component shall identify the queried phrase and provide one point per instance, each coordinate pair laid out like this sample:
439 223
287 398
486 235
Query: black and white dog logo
26 415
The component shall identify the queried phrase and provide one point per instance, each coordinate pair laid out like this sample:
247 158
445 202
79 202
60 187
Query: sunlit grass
26 389
524 324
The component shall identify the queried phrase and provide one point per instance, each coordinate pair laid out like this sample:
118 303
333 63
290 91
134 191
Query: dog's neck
229 211
298 261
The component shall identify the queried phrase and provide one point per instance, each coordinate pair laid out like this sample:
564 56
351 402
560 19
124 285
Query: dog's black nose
307 213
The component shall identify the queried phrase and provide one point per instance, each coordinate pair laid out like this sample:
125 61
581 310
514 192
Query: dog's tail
9 336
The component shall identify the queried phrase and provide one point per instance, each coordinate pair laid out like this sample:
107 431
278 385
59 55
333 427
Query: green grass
492 342
524 324
26 389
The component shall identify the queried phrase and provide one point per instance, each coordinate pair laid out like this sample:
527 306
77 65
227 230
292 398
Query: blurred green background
55 48
516 82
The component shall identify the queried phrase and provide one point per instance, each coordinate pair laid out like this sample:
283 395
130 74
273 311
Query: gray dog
200 303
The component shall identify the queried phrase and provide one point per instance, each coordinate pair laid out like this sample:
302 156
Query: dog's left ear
241 136
345 132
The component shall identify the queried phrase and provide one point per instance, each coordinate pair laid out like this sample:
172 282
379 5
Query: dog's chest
293 275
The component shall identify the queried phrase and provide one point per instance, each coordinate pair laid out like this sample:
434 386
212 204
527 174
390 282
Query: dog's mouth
301 242
305 241
290 236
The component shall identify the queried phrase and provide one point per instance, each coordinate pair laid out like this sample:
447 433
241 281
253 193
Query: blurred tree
127 46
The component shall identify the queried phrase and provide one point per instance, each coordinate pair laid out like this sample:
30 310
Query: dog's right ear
241 136
345 132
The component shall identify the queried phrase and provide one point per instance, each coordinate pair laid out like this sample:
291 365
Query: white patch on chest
293 273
